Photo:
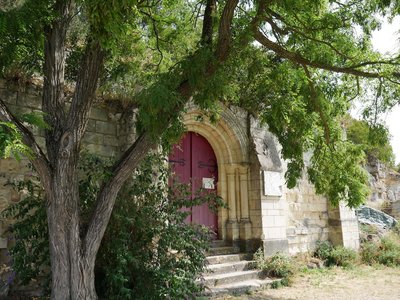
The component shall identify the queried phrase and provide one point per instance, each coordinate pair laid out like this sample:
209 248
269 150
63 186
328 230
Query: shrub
335 256
396 229
369 253
278 265
323 250
148 251
29 235
385 252
341 256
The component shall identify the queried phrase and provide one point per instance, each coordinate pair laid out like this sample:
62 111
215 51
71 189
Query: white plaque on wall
208 183
273 182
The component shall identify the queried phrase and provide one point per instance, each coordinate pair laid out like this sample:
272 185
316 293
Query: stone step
211 281
239 287
222 250
221 259
230 267
218 243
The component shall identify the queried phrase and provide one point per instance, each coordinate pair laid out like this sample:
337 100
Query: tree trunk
72 271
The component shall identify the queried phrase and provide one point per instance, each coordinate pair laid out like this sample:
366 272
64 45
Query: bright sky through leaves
387 40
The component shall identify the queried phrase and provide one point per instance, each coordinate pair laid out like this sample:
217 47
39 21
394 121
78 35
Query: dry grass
358 283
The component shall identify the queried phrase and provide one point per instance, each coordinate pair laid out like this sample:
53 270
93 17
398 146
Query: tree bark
72 271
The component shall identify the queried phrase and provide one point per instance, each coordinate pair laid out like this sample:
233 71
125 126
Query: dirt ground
359 283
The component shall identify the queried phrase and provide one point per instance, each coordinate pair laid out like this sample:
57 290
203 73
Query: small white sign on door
208 183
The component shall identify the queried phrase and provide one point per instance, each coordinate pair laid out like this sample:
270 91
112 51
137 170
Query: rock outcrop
371 216
385 188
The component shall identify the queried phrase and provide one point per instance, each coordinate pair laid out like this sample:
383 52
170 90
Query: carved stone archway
230 143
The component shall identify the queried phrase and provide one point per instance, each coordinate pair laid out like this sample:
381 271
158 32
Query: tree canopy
375 140
295 65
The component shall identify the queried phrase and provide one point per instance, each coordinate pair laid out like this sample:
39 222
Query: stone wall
308 218
293 220
108 133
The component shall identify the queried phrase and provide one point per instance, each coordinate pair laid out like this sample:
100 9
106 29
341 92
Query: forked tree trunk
72 270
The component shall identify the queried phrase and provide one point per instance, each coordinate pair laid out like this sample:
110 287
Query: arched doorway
193 161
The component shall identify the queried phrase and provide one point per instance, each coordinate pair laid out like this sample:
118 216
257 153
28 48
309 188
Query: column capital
241 167
244 169
230 169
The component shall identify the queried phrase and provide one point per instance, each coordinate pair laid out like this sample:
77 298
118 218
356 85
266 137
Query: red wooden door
193 161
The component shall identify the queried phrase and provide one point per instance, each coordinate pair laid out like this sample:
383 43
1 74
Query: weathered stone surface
91 126
369 215
272 247
29 100
98 114
265 145
111 140
94 138
9 97
106 128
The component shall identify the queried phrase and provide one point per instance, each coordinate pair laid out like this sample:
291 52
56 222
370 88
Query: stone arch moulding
233 174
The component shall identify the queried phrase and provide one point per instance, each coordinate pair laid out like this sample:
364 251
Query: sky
387 40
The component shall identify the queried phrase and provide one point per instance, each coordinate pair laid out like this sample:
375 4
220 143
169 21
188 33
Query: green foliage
385 252
34 119
155 61
162 260
11 142
323 250
335 256
396 229
369 252
22 37
306 121
148 251
337 173
278 265
29 234
374 140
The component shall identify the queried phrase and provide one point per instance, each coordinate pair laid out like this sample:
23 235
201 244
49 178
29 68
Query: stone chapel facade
261 211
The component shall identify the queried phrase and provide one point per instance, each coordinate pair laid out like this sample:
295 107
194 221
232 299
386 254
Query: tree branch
83 97
156 34
299 32
145 142
208 26
107 196
53 70
225 30
39 159
299 59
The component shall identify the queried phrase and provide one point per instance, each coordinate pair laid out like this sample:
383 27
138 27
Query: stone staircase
229 271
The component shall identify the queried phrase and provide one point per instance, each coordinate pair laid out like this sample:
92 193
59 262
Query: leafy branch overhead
152 57
296 65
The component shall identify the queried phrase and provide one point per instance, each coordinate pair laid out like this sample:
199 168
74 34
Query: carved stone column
245 224
232 226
